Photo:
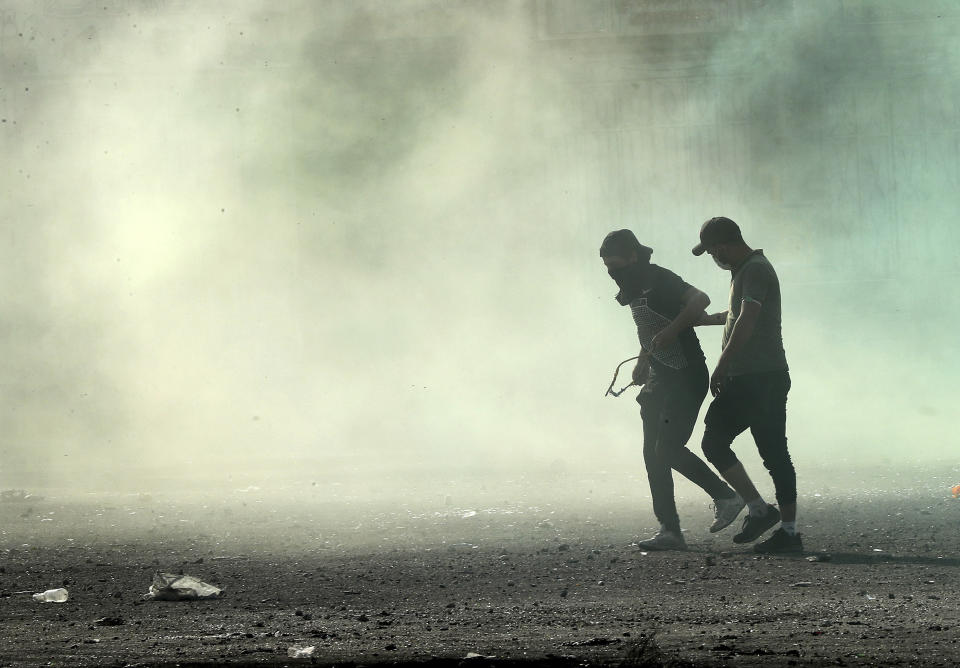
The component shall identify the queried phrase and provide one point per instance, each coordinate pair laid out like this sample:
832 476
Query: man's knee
716 448
671 454
723 423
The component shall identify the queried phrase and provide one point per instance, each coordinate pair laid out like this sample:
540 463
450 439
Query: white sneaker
664 540
725 511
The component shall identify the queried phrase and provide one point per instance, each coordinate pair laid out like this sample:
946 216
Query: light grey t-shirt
755 280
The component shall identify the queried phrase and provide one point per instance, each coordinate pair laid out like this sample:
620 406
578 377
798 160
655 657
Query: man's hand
641 371
663 339
711 319
718 377
741 333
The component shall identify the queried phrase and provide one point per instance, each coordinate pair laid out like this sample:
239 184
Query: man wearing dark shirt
750 386
673 373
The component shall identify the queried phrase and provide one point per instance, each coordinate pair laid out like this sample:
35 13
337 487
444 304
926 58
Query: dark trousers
758 402
669 405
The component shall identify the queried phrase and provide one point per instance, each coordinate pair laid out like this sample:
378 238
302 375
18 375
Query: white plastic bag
171 587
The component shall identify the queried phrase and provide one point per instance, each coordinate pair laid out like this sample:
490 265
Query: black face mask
630 279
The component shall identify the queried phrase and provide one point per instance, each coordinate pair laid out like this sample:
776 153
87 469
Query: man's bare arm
694 303
711 319
742 331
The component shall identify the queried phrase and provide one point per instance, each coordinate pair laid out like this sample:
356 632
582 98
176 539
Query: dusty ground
503 573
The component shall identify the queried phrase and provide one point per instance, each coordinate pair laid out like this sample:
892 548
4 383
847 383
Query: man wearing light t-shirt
750 385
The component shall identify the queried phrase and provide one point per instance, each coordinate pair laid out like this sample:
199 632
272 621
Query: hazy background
245 242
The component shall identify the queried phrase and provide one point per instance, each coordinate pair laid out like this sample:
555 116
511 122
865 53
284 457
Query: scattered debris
474 655
805 583
819 558
299 652
594 642
109 621
52 596
171 587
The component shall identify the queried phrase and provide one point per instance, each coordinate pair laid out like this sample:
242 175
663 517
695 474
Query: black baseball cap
622 243
718 230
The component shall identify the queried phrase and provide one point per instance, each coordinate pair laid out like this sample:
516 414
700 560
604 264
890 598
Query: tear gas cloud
359 239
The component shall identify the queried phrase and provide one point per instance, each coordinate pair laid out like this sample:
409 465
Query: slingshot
616 371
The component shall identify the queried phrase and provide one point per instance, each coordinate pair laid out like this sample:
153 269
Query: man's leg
723 423
683 461
737 476
769 433
788 512
659 475
678 418
660 478
769 430
727 417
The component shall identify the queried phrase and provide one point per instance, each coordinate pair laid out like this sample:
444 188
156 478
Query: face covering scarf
631 280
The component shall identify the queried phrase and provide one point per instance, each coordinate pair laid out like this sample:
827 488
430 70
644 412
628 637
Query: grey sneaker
664 540
725 511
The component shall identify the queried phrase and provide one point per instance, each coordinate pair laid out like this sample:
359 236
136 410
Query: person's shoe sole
759 526
792 549
653 545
